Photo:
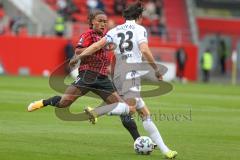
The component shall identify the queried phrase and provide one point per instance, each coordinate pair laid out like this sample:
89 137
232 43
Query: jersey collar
130 21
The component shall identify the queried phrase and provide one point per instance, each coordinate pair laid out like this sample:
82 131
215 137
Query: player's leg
70 95
129 122
117 108
105 89
112 99
127 119
152 130
76 89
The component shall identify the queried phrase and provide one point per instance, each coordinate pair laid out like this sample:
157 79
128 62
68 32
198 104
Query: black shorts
95 82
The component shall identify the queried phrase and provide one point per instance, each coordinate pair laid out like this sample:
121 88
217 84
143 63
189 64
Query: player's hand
73 62
158 75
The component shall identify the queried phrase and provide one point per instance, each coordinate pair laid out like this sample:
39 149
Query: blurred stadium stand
187 23
177 21
39 18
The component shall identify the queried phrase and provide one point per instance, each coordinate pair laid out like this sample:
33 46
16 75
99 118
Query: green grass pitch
200 121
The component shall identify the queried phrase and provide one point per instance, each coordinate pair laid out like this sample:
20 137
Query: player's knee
132 109
132 105
131 102
144 113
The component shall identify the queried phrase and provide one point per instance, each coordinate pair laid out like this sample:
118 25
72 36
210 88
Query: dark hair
92 15
133 11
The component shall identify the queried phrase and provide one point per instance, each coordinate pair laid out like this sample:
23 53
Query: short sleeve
110 36
84 41
142 35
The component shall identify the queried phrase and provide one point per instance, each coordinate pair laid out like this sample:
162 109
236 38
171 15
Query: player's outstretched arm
88 51
79 51
149 57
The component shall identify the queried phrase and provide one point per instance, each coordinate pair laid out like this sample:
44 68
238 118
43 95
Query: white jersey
127 37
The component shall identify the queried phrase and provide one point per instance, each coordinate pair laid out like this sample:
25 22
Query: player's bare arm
78 51
88 51
149 57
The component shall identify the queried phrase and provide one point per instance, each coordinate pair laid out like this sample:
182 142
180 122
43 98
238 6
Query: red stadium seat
51 1
80 17
52 4
108 2
79 2
2 13
82 6
146 22
7 30
117 19
130 1
77 30
23 32
154 40
109 11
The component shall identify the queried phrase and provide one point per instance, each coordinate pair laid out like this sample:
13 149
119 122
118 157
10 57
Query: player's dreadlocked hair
133 11
92 15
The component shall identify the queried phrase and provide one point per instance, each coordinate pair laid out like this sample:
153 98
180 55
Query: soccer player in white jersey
131 43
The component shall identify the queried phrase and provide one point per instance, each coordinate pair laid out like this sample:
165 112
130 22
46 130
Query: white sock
154 134
120 109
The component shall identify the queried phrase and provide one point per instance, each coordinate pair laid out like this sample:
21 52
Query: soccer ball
143 145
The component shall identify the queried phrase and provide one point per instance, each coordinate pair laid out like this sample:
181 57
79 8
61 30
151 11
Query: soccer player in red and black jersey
136 47
93 74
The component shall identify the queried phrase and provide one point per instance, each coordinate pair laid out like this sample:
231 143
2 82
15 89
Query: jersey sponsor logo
81 41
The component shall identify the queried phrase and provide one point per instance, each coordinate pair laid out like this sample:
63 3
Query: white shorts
129 86
139 103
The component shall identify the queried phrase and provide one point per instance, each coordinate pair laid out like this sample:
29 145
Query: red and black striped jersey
97 62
